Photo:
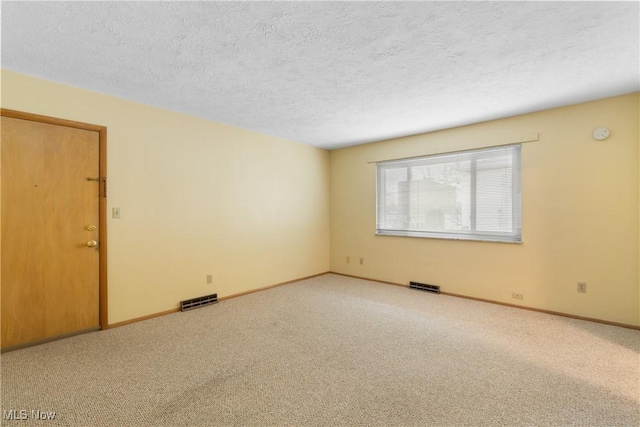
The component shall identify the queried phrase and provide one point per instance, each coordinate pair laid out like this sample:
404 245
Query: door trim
102 132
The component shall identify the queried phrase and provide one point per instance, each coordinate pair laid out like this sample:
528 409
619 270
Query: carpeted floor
334 351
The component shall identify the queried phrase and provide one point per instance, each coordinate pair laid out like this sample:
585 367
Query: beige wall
580 215
197 198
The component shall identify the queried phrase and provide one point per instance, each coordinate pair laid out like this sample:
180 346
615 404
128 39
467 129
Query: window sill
421 235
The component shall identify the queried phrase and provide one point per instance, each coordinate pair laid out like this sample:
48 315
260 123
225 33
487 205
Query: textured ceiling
332 74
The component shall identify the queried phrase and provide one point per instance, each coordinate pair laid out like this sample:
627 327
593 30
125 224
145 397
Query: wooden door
50 211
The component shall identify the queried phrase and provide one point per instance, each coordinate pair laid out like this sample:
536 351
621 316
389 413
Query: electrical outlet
582 287
361 261
348 259
209 279
517 295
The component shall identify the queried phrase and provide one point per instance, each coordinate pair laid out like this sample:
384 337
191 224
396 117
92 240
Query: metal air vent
435 289
190 304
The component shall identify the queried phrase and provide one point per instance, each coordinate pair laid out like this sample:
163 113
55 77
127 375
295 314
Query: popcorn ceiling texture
332 74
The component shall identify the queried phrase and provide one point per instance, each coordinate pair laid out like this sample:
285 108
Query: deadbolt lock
91 227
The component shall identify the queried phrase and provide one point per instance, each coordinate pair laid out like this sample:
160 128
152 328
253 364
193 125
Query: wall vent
435 289
190 304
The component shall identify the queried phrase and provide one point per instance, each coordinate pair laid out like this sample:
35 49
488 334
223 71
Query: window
470 195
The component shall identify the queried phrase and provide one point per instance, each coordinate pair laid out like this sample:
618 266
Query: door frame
102 224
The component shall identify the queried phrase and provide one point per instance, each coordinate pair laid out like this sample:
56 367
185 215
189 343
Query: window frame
515 236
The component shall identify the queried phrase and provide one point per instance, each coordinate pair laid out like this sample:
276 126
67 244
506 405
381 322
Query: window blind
472 195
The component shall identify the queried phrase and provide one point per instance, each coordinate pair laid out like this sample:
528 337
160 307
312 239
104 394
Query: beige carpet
334 351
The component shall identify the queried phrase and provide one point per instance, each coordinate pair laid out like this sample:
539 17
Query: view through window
471 195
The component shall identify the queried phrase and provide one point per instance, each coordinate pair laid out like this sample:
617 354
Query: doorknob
92 243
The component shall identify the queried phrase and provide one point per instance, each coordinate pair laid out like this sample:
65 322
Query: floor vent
435 289
190 304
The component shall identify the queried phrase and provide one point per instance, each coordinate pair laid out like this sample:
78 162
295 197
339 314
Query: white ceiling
332 74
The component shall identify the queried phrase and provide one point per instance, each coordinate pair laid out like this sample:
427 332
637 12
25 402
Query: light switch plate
115 213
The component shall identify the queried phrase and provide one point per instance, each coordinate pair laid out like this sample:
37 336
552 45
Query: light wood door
50 277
